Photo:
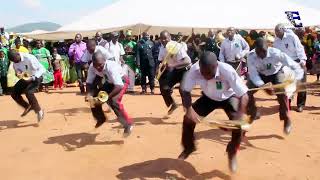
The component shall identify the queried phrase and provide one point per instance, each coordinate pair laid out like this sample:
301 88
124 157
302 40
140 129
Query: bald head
98 36
261 47
145 36
279 30
98 61
165 37
208 65
230 33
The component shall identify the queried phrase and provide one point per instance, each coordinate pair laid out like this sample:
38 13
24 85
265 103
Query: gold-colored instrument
276 86
100 99
306 87
25 76
172 48
219 38
243 124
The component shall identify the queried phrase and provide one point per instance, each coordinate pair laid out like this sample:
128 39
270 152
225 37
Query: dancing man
177 65
266 66
233 50
115 85
27 63
289 43
222 88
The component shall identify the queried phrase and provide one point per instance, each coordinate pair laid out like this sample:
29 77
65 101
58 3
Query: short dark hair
208 58
164 32
260 43
17 40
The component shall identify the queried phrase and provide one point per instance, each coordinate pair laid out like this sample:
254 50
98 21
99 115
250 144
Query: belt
233 61
184 68
297 60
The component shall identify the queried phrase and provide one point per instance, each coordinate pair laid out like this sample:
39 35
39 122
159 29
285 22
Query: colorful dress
316 58
129 57
68 74
43 55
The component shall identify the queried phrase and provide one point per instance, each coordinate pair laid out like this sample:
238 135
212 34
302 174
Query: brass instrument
25 76
99 100
219 38
305 87
243 124
276 86
172 49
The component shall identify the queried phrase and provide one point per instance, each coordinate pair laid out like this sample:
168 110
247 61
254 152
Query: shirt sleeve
121 50
245 47
71 49
37 68
85 57
287 61
105 53
91 75
189 81
221 54
115 73
253 73
237 84
161 54
182 54
299 48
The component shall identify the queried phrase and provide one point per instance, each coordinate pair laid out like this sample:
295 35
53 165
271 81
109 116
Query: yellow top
22 49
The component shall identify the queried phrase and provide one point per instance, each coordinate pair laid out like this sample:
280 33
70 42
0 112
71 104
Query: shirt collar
268 53
284 35
217 72
22 57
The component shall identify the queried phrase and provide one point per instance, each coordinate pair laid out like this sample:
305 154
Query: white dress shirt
112 72
270 65
182 53
231 49
225 84
291 45
29 63
87 56
116 50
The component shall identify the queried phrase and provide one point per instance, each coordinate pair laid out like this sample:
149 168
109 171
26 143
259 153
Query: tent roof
183 15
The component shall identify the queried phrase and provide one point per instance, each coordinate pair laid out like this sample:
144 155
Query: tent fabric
183 16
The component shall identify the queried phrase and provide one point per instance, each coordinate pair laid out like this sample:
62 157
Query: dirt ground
65 146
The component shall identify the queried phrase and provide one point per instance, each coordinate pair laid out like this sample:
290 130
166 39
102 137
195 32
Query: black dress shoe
99 123
185 154
172 108
26 111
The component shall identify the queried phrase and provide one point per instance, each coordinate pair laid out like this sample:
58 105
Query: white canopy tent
183 16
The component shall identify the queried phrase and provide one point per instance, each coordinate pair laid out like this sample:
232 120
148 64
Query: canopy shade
183 16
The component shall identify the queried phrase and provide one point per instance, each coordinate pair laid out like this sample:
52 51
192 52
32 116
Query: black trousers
282 98
22 87
203 107
115 104
302 96
147 71
3 85
167 81
79 68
